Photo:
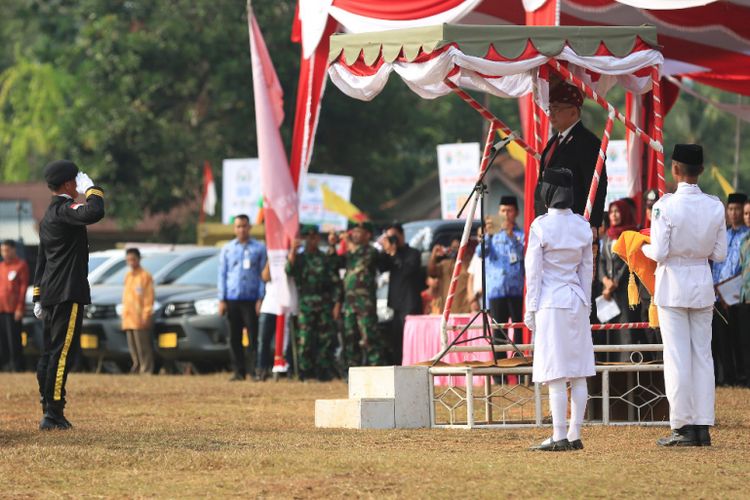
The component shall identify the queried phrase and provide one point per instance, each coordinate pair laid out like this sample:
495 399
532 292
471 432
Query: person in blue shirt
241 289
504 267
728 365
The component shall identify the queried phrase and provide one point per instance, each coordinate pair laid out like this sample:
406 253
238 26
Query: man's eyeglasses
557 109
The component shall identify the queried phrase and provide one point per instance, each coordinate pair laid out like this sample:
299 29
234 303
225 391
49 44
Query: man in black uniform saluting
573 147
61 286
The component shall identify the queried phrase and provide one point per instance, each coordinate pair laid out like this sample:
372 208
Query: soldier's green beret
366 225
306 229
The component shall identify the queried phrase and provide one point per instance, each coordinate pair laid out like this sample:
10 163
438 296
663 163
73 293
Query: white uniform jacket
687 230
559 269
559 261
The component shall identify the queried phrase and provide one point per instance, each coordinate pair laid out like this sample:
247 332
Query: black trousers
501 309
725 344
396 346
241 314
62 329
744 325
11 350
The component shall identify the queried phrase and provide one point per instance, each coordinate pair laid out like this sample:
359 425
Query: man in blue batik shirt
504 265
241 289
728 365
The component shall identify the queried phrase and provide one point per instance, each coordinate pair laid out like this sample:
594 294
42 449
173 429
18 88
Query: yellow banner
335 203
514 150
726 186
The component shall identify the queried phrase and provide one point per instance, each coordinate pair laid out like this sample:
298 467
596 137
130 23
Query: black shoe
702 436
551 445
576 444
54 420
236 377
684 436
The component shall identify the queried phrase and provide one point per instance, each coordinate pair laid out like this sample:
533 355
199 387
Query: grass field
200 436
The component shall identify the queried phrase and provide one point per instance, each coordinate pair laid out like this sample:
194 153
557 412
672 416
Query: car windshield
151 263
95 262
204 273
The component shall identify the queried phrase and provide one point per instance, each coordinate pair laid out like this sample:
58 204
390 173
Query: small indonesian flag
209 190
335 203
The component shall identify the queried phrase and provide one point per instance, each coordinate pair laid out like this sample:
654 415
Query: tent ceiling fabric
509 41
499 60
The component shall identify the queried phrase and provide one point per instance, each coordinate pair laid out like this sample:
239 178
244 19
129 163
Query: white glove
83 182
38 311
530 319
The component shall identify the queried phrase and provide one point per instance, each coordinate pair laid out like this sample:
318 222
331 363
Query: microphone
501 144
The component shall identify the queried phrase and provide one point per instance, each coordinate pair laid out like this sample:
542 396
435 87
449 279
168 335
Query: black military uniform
61 285
578 152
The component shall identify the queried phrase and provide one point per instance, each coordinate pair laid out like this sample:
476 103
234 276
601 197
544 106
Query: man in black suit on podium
573 147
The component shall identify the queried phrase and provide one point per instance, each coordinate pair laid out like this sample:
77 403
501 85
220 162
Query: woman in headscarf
559 271
614 275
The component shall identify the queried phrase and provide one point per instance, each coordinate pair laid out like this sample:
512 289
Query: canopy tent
706 40
506 61
499 60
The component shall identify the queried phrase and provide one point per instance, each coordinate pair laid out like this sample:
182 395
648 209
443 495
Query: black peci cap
556 176
509 200
690 154
740 198
59 172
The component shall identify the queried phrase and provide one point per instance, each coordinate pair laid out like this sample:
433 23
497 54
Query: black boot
54 418
684 436
702 435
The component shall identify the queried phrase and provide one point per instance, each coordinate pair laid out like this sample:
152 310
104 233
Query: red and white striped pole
574 80
599 166
487 153
658 132
495 121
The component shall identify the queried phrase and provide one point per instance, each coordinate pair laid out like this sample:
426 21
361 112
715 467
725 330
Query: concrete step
407 385
357 413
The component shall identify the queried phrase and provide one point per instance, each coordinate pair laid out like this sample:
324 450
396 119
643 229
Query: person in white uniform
687 230
559 271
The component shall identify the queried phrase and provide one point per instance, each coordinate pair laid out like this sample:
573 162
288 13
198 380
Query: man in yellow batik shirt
137 308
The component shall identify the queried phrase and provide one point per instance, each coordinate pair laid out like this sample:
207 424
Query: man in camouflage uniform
317 279
362 341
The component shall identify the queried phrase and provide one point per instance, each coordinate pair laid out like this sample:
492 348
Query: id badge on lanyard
246 264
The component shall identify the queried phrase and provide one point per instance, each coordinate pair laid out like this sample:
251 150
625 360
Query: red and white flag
208 207
279 196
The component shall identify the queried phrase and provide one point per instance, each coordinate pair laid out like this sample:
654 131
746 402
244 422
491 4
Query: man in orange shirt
137 308
14 279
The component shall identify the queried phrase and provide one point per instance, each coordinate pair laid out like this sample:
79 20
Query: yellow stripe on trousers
64 354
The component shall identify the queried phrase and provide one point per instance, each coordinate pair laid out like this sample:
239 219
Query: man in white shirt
687 230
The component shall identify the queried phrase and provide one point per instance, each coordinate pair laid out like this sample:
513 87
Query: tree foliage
140 93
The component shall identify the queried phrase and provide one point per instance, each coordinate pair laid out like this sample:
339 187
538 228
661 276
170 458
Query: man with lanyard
573 147
241 290
726 334
61 286
504 267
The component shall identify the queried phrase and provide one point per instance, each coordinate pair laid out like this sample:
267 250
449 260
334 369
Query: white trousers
688 365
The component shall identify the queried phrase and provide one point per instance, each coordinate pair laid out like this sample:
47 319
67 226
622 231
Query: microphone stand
480 188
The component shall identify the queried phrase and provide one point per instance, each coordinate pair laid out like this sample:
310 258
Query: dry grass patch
202 436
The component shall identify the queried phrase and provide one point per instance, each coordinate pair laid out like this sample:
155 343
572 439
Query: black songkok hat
60 171
690 154
740 198
556 176
509 200
306 229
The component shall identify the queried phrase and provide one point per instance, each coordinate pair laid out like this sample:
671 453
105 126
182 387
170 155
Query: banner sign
458 167
311 209
240 192
617 172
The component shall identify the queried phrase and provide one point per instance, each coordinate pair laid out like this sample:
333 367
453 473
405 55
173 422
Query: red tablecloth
422 342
